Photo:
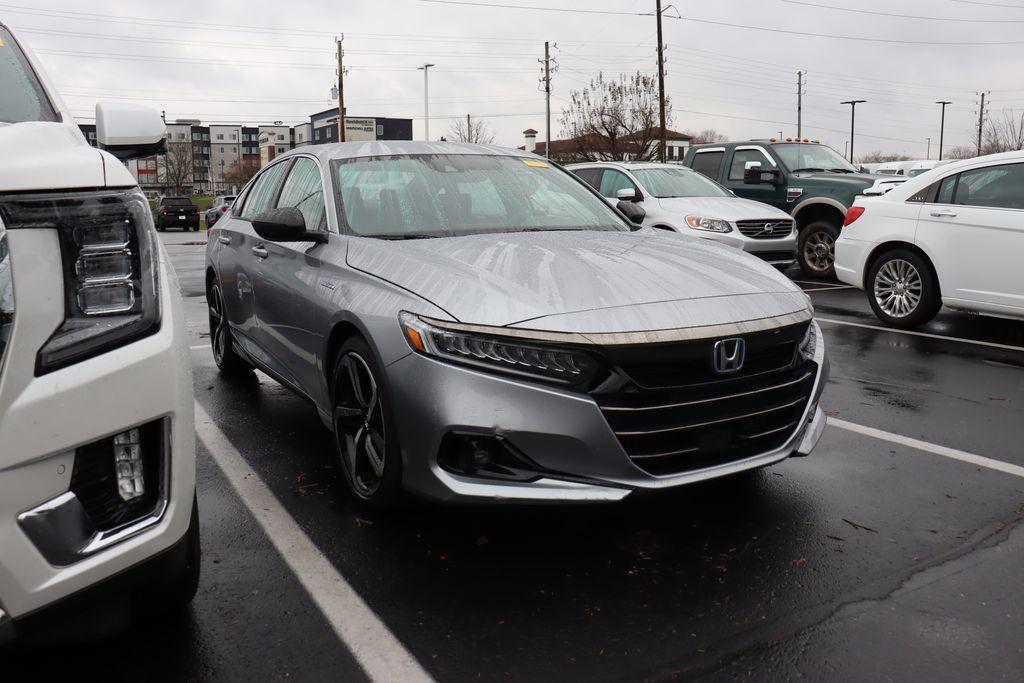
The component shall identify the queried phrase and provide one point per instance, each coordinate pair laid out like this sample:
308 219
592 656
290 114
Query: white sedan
952 236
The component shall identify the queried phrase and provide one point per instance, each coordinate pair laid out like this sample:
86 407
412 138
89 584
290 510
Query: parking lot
892 551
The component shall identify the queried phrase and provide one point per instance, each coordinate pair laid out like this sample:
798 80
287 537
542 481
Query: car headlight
108 250
809 344
709 224
504 354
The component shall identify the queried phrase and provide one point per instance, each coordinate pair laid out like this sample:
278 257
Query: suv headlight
504 354
709 224
108 250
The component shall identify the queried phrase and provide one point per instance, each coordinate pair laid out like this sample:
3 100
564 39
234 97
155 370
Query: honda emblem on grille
728 355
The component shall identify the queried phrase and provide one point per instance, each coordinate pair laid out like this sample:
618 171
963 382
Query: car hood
646 279
48 156
726 208
856 181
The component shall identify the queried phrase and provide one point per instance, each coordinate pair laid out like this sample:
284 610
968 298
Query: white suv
97 441
951 236
679 199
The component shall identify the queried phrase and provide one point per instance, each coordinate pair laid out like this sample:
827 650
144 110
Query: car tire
816 249
363 426
902 289
224 355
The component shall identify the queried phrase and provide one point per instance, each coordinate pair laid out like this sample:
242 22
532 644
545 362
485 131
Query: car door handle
223 240
944 213
260 252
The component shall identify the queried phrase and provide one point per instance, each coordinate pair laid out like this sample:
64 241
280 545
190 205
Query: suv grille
705 419
765 229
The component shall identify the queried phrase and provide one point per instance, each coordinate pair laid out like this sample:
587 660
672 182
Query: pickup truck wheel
817 249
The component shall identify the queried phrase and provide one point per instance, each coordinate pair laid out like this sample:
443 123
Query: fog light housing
487 456
131 481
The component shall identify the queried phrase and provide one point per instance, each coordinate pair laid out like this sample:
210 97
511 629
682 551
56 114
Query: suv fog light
128 465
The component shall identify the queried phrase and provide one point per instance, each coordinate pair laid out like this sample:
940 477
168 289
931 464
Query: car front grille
766 229
695 419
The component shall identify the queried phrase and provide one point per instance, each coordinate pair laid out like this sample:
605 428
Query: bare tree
238 174
471 130
707 135
880 157
1004 134
960 152
610 120
177 166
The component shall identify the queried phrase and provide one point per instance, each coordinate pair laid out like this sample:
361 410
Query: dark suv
810 181
176 212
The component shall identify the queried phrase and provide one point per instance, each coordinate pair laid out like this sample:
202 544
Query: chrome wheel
820 251
898 288
218 325
359 424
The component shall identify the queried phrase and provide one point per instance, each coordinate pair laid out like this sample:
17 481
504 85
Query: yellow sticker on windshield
536 164
1 42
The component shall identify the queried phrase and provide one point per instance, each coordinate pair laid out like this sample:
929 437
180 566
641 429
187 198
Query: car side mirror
753 175
629 194
285 224
129 131
630 210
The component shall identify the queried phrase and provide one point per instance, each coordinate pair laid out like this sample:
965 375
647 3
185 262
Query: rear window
176 201
21 95
708 163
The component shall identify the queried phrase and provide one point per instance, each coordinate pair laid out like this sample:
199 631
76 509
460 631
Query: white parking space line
200 347
820 283
378 652
994 345
829 288
944 451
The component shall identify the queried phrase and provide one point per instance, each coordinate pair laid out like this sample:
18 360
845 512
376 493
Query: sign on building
360 130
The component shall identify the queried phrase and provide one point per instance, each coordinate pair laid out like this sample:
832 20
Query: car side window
612 181
708 163
945 194
740 159
591 176
304 190
261 195
998 187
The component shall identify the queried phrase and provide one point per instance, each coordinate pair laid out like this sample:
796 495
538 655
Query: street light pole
853 113
942 124
928 155
426 101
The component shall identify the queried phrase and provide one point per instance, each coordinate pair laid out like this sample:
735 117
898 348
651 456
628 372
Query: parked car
895 168
95 379
811 182
475 323
679 199
923 166
176 212
220 205
952 236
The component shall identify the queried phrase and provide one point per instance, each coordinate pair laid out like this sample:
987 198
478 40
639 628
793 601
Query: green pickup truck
810 181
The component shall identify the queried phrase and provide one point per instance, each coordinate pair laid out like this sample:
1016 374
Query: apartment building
273 140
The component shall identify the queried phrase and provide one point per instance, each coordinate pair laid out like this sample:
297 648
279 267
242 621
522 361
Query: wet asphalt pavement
868 560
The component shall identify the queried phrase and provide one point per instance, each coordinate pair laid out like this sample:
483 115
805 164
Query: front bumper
46 418
777 251
563 432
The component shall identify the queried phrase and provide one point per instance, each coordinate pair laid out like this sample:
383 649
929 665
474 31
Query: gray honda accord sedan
475 323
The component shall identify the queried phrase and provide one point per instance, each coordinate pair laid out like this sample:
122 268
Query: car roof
626 165
355 150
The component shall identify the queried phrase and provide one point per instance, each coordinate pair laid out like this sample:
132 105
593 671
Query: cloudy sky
732 64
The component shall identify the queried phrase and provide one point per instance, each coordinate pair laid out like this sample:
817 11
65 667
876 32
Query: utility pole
981 121
928 155
853 114
469 129
942 124
661 85
426 101
546 84
341 89
799 103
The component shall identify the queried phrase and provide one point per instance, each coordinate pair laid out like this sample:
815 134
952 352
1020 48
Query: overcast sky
264 60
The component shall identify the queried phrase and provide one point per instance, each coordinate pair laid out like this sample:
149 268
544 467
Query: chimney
531 139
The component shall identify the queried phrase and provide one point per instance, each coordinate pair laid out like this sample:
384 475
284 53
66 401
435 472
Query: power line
543 9
989 4
903 16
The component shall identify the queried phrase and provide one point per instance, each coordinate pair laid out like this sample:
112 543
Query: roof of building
529 131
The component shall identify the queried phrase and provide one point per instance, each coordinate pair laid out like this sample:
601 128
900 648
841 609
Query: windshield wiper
809 170
404 236
842 170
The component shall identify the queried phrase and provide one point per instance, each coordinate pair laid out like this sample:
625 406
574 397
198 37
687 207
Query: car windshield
177 201
917 171
809 157
678 182
23 98
441 195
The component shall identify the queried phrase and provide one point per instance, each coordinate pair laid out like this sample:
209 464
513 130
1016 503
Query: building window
316 135
181 136
280 149
234 136
220 136
221 150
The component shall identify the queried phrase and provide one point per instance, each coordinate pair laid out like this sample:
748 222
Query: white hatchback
97 442
951 236
679 199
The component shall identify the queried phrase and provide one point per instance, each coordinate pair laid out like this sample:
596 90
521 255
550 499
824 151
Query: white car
899 168
924 166
680 199
97 441
953 235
